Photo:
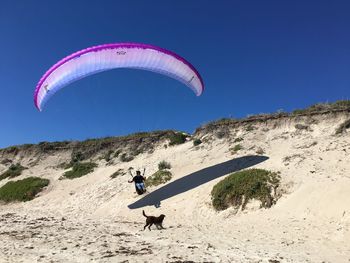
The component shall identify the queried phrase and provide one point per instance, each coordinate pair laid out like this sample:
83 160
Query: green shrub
13 171
117 152
299 126
197 142
108 156
159 177
79 170
250 128
138 151
118 173
236 148
177 138
164 165
125 158
77 157
342 127
239 139
22 190
240 187
221 134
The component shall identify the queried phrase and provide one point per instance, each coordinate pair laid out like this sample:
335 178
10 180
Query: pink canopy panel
110 56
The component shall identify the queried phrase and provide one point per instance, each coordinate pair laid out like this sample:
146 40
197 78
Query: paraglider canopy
100 58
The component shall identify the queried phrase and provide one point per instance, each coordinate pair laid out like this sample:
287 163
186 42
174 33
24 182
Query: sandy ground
99 219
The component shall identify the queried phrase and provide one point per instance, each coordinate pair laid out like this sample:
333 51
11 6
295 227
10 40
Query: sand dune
99 219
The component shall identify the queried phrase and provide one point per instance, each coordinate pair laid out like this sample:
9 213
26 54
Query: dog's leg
150 226
145 227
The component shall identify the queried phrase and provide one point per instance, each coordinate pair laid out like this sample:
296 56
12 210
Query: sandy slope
88 219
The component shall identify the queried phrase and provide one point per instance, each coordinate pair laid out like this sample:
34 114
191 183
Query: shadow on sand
196 179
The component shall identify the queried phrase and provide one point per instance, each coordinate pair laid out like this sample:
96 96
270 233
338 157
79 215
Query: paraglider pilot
139 181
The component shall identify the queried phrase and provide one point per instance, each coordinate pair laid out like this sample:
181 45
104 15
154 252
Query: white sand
88 219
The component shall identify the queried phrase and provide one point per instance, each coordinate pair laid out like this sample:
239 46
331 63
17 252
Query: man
139 181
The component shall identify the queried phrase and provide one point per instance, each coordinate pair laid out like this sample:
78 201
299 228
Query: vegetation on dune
343 127
239 188
80 169
108 156
119 172
76 157
22 190
260 151
5 161
13 171
135 143
250 128
46 147
164 165
197 142
177 138
320 108
298 157
236 148
142 142
117 152
238 139
222 133
299 126
159 177
126 158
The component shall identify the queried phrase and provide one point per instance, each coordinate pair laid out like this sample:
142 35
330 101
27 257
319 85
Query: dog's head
161 216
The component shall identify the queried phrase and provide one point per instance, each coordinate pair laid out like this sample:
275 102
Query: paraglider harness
139 179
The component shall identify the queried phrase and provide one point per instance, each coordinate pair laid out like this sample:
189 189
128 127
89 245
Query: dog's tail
143 212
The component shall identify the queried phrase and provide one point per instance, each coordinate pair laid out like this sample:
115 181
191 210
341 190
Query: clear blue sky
254 57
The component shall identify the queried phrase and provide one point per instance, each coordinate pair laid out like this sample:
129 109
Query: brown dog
158 221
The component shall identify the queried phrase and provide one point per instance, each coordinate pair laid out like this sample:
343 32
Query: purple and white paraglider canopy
96 59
